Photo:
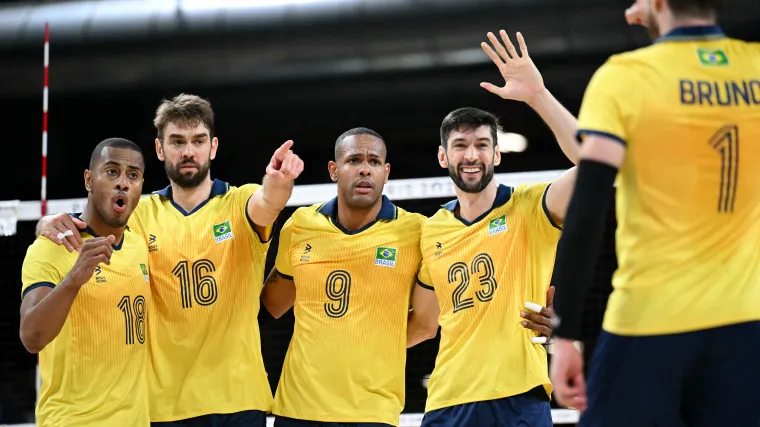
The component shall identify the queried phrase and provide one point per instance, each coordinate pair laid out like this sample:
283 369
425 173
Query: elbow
430 331
31 341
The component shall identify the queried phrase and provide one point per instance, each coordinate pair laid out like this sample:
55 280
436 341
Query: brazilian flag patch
385 257
497 225
222 232
712 57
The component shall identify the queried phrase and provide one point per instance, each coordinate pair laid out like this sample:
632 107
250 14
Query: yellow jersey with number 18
688 199
208 270
346 360
482 273
94 373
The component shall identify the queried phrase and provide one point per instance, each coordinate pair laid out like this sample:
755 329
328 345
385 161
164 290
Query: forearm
578 249
563 124
270 200
418 331
41 323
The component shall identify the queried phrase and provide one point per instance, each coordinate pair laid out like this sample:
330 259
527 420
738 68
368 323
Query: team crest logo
497 225
98 277
712 57
222 232
385 257
144 269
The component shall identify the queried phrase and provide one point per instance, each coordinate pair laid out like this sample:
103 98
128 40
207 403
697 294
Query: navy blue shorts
236 419
704 378
530 409
291 422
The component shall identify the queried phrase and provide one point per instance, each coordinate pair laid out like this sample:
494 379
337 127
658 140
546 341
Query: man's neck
686 22
98 226
354 219
473 205
189 198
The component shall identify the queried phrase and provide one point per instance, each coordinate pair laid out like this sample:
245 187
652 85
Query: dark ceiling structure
300 69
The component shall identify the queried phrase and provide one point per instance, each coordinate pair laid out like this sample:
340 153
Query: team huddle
144 310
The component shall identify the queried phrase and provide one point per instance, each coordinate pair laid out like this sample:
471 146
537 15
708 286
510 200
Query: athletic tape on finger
533 307
66 233
538 340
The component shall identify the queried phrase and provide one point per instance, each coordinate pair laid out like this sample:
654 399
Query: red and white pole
43 190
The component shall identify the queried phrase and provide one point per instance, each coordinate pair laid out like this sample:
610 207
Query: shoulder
45 251
303 216
243 189
407 217
524 191
441 218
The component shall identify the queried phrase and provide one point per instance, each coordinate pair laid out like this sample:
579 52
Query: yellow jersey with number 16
688 197
95 371
208 271
482 273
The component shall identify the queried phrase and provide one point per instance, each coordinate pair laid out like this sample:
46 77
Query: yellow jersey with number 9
482 273
688 199
346 360
208 271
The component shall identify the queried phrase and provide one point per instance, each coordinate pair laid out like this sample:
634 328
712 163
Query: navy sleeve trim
284 276
582 133
35 286
428 287
254 226
546 209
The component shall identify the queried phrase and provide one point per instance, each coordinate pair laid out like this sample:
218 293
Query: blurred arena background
276 70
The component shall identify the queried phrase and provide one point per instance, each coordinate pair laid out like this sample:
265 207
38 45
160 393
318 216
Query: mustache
470 164
188 163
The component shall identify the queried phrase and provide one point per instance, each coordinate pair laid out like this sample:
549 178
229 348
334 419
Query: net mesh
18 368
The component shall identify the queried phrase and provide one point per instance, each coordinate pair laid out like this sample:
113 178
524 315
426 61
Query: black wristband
578 249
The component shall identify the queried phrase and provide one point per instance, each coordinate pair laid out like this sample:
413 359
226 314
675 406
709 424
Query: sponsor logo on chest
222 232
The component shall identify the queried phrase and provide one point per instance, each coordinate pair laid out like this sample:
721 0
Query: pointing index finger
283 150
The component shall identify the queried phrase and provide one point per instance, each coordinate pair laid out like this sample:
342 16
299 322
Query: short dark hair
354 132
97 153
465 119
697 8
186 109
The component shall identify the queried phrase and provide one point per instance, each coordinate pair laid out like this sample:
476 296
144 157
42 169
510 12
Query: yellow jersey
347 356
482 273
688 192
208 271
94 372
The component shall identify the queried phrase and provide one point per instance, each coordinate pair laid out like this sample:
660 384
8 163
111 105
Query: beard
474 187
187 179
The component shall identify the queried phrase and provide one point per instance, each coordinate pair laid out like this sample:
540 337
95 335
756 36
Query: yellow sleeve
608 103
242 196
45 264
423 276
282 262
532 200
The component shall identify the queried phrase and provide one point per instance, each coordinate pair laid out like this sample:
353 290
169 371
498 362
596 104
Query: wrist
538 99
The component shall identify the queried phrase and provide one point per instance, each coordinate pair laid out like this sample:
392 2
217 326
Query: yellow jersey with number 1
95 372
346 360
688 198
482 273
208 271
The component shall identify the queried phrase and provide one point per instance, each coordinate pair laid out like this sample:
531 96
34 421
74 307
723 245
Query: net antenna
46 63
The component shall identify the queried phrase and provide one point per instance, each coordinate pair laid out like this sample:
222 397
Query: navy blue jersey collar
218 188
92 233
503 194
388 212
701 32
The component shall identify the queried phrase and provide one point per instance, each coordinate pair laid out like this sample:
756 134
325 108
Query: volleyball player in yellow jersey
208 242
348 265
85 313
483 256
678 124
